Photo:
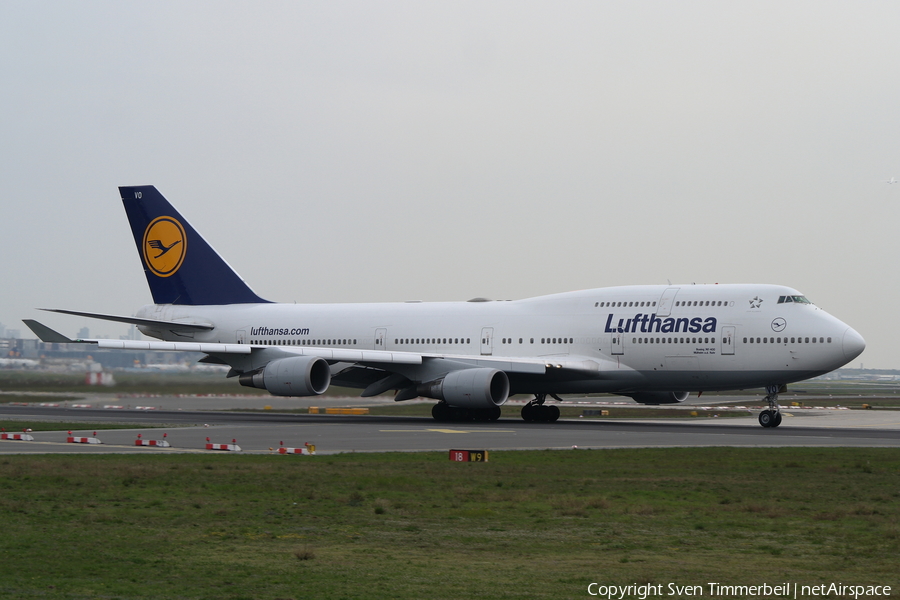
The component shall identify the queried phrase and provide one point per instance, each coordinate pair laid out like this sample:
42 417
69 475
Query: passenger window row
404 341
691 340
623 304
799 340
702 303
651 304
341 342
561 340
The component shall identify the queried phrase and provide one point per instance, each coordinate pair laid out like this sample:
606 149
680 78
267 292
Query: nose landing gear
772 416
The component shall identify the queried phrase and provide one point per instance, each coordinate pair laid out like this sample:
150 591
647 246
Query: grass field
410 525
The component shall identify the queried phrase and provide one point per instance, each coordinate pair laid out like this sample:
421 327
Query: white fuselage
665 338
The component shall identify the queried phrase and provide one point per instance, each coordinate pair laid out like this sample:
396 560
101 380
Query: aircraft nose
853 344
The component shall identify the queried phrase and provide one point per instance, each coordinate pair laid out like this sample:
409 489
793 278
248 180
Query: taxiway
263 432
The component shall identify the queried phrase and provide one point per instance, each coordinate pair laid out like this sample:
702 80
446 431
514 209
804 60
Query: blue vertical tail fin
181 267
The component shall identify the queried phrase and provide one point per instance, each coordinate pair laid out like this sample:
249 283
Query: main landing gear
446 413
772 416
537 411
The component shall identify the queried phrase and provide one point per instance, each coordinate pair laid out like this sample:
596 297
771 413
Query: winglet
45 333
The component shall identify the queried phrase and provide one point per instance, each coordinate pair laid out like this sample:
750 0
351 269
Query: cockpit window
786 299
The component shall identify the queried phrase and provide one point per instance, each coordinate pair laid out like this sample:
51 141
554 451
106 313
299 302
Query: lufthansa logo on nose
779 324
165 245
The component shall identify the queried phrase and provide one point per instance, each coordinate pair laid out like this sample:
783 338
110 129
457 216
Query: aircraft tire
528 413
439 412
483 415
540 413
553 414
494 413
777 420
459 414
766 418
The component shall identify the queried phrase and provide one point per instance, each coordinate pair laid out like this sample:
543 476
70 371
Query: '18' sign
469 455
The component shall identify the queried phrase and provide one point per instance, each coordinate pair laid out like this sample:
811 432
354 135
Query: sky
390 151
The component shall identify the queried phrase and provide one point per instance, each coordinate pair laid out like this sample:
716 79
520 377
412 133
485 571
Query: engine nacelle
296 376
659 397
469 388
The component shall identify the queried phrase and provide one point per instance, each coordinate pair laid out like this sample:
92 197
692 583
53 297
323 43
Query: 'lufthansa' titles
653 324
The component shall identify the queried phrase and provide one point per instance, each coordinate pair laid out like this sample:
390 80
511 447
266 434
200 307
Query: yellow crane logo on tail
165 245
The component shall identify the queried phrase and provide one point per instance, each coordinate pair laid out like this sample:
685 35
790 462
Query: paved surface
187 429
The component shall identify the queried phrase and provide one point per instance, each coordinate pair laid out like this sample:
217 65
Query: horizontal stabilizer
170 325
45 334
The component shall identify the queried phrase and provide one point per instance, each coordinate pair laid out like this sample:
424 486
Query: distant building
84 333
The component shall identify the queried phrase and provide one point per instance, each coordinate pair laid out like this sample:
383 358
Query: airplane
18 363
891 180
652 343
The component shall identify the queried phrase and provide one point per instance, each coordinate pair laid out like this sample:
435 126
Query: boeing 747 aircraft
653 343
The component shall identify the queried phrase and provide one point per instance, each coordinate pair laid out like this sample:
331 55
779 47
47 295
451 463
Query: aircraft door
487 341
240 336
618 343
728 340
666 302
380 335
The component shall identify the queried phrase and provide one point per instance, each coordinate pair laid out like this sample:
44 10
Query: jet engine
296 376
659 397
469 388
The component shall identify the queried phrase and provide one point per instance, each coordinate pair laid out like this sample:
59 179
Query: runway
263 432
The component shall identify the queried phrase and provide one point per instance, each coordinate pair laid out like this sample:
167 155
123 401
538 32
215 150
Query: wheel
528 413
439 412
553 413
777 420
494 413
767 418
458 414
482 415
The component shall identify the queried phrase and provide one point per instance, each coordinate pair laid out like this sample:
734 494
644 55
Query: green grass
539 524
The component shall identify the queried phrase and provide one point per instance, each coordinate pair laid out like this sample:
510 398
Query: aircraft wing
375 370
345 355
366 358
